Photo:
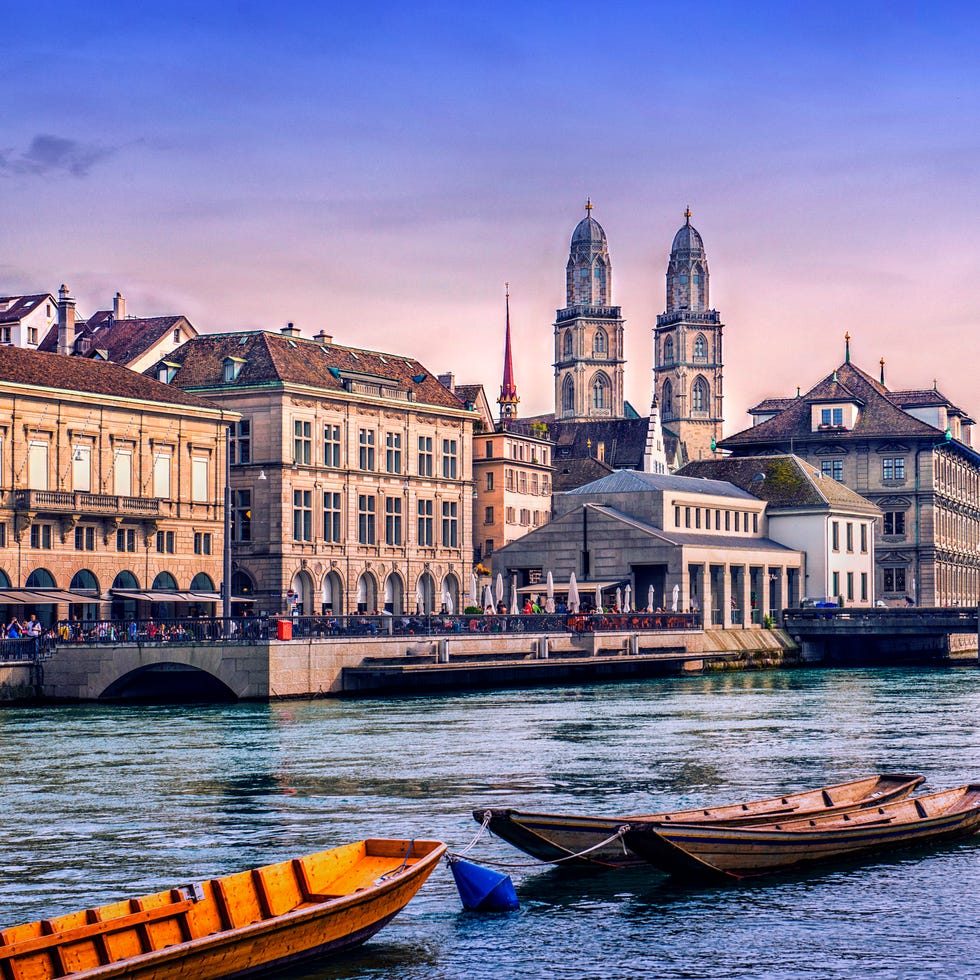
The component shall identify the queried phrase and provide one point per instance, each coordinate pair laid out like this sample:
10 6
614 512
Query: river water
102 802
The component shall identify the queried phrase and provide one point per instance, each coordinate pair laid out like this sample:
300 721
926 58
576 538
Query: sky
380 170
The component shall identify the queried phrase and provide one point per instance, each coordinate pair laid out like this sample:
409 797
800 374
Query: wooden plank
54 951
222 904
262 893
100 928
101 946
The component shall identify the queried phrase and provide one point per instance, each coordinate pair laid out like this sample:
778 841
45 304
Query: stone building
688 357
908 453
351 475
111 491
706 539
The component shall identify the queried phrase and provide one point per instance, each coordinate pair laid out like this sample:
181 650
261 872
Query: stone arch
45 612
568 395
425 594
668 353
202 582
301 602
700 395
242 585
600 343
84 580
567 344
332 594
700 348
394 594
367 592
450 589
601 391
124 607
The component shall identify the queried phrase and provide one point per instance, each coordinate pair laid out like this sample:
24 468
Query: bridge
917 634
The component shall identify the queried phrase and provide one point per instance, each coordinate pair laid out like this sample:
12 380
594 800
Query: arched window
568 395
40 578
669 350
84 581
700 348
600 392
567 344
600 343
202 583
699 396
4 581
667 400
165 581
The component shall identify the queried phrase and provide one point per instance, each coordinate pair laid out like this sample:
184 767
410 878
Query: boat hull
740 852
552 837
242 925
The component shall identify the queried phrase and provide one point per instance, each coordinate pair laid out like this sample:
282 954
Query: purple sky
380 171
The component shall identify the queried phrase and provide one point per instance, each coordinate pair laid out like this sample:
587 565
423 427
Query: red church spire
508 399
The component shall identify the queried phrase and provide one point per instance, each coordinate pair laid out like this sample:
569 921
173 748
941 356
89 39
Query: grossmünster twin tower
589 358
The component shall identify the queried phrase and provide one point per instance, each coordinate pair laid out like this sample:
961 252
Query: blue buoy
482 889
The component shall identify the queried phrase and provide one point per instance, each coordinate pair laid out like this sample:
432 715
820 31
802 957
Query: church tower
508 400
589 358
688 351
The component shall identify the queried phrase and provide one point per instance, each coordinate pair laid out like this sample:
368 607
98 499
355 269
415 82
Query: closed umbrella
650 600
549 603
419 598
627 607
474 590
619 599
487 597
500 587
514 608
675 593
573 600
447 601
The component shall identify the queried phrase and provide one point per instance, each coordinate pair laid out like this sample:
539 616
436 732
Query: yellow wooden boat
240 925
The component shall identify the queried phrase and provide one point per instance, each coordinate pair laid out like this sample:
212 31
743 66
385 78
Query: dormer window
843 415
232 367
167 372
831 416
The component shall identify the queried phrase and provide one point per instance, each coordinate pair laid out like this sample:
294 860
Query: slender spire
882 363
508 399
847 348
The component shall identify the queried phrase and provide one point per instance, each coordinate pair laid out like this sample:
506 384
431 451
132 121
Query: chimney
119 307
290 331
323 337
66 321
448 380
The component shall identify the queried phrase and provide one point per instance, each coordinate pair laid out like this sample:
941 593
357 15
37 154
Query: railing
690 316
80 502
250 629
25 648
602 312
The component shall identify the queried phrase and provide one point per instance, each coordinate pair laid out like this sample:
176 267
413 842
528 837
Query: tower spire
847 348
508 399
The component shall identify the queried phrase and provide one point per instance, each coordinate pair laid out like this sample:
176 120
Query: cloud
52 155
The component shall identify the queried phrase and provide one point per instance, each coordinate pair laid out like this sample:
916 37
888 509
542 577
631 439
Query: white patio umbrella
514 608
549 603
474 590
619 599
447 601
650 600
419 598
487 597
627 596
675 592
500 586
573 599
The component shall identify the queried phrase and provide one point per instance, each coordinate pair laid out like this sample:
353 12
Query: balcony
78 502
591 312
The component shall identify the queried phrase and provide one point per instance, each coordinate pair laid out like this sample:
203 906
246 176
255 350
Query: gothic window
600 343
600 392
669 350
700 348
667 400
568 395
699 396
567 344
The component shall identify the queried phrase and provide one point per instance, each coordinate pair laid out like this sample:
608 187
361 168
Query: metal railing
25 649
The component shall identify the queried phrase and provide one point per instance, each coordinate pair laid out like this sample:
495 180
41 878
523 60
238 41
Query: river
102 802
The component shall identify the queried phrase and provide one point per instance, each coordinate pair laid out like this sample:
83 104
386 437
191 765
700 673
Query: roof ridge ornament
687 214
588 207
847 348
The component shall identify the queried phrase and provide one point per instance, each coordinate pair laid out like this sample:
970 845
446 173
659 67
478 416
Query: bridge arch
168 681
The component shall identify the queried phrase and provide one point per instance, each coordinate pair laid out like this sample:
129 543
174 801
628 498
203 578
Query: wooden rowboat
239 925
740 852
555 836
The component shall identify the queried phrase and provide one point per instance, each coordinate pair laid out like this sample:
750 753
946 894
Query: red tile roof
122 340
20 306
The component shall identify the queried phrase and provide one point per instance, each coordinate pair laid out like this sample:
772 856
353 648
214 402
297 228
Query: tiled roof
782 481
634 481
879 416
276 358
771 405
468 393
73 374
123 340
20 306
571 473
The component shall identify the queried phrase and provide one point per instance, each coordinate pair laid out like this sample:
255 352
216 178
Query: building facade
26 320
688 356
111 492
351 474
909 454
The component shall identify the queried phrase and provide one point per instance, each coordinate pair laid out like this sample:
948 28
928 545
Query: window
489 447
894 579
365 518
488 515
600 344
700 348
864 586
331 446
849 528
834 468
202 542
161 475
81 468
567 344
231 368
199 479
166 372
302 515
166 542
755 524
835 588
331 516
669 350
687 517
41 536
450 524
600 392
85 538
728 520
425 455
177 335
490 481
835 535
393 520
864 539
568 395
525 516
241 515
4 335
509 515
699 396
522 482
667 400
488 547
126 539
37 466
32 335
122 472
449 458
894 522
365 443
241 441
393 452
850 585
893 468
509 481
302 442
831 416
677 516
425 523
3 535
697 517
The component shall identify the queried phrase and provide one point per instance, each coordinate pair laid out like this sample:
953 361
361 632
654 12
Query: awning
43 597
165 595
562 587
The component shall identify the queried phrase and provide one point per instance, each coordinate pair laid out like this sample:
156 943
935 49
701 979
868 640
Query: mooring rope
621 831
